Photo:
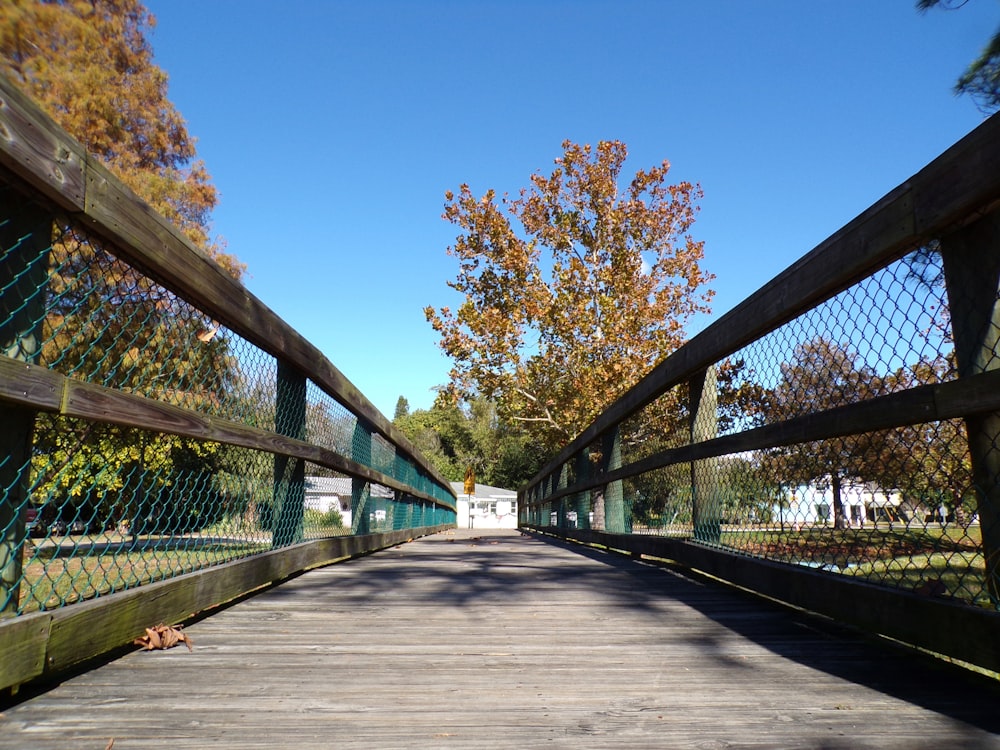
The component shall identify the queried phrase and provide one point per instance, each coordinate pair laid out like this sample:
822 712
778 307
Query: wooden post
561 507
971 259
581 500
25 238
706 510
614 492
361 452
289 473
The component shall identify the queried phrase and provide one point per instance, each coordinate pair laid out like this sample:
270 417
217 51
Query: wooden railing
655 474
67 218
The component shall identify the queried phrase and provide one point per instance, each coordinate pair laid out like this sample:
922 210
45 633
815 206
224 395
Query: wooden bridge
427 636
493 639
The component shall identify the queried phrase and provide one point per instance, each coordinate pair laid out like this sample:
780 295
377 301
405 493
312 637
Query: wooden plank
49 643
962 182
916 620
972 395
22 643
40 152
45 390
492 639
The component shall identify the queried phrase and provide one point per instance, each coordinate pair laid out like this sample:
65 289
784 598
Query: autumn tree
928 462
89 65
823 374
572 290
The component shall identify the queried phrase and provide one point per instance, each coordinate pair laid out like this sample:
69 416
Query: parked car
33 523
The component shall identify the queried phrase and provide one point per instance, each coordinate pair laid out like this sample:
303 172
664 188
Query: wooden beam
927 403
46 390
40 153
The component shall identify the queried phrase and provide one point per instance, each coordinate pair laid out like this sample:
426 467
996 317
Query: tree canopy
572 291
456 436
89 65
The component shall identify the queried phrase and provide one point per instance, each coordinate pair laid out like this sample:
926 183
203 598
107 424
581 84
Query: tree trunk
839 518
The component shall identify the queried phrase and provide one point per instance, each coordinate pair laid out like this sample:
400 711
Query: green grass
931 560
50 581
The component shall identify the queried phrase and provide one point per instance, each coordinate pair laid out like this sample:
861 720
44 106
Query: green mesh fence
90 507
897 506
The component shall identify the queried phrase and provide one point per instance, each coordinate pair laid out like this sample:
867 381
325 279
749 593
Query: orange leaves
163 637
573 290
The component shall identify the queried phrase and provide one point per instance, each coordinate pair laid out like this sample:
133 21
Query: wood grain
50 643
497 640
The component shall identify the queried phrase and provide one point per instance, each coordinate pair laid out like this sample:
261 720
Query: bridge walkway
491 639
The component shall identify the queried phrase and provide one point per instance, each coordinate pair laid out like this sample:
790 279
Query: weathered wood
37 151
495 640
928 403
971 259
22 644
40 152
706 505
45 390
49 643
894 613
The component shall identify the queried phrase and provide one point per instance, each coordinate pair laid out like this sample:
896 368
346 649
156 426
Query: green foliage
402 408
454 436
314 519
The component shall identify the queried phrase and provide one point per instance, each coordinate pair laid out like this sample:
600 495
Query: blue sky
333 129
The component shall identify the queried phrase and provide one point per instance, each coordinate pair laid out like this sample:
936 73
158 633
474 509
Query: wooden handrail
38 152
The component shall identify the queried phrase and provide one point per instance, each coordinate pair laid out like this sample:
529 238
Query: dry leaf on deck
163 636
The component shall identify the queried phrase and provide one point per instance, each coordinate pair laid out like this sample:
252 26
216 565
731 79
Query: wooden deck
490 639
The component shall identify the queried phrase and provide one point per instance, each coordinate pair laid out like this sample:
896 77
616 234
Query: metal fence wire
96 507
895 506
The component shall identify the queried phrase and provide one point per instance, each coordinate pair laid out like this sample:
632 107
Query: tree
981 80
929 462
457 435
402 408
572 291
823 375
89 66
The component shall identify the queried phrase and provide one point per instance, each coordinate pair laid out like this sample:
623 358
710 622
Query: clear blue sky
333 129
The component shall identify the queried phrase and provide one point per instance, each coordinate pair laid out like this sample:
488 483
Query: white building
324 493
863 504
487 508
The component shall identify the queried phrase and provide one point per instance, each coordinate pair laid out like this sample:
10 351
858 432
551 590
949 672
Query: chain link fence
857 436
93 507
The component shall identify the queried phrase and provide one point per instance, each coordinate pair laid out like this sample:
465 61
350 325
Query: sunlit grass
49 582
932 560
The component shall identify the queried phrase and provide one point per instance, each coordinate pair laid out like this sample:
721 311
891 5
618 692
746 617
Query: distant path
489 639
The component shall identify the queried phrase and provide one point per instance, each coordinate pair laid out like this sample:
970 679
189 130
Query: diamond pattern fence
92 507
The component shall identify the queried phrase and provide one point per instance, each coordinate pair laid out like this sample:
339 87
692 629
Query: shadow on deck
493 639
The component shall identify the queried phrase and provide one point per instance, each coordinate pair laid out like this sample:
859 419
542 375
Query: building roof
340 486
484 490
